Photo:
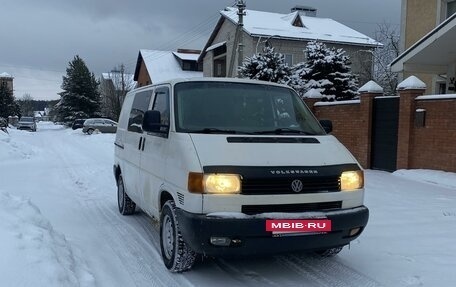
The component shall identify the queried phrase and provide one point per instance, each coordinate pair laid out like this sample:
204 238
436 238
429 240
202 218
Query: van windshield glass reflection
240 108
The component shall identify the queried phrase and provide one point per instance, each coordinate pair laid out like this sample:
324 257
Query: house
288 33
156 66
428 41
7 79
113 88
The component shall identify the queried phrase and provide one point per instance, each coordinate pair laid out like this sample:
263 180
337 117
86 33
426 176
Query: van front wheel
176 254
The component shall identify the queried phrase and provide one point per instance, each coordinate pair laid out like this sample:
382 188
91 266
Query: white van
235 167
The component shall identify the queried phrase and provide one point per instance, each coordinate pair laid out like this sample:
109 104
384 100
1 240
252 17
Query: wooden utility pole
241 14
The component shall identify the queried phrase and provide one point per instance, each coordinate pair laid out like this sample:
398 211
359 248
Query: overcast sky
39 38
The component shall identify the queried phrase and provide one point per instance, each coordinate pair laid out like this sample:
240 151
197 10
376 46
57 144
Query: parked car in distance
102 125
235 167
27 123
78 123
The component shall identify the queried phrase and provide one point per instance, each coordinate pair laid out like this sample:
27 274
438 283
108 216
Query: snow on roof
411 83
163 66
5 75
336 103
371 87
259 23
215 46
187 56
436 97
115 77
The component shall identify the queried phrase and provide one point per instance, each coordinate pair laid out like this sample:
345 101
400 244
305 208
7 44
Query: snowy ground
60 227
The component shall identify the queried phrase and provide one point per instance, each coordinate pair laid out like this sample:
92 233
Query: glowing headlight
222 183
214 183
350 180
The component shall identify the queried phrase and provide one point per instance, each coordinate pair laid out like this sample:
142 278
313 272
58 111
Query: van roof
211 79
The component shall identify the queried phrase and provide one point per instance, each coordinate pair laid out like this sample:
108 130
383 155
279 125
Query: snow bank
30 246
11 150
441 178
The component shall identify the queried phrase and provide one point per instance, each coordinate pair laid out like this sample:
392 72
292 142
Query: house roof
432 53
186 56
115 78
259 23
5 75
163 65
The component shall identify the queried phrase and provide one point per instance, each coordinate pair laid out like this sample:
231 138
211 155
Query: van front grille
314 184
300 207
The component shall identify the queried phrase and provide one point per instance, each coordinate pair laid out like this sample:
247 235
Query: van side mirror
152 122
327 125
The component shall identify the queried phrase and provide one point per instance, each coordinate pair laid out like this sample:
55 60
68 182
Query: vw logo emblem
296 185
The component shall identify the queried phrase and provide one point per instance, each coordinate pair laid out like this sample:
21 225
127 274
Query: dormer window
297 22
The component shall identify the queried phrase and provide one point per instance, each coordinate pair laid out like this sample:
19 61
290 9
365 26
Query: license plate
298 227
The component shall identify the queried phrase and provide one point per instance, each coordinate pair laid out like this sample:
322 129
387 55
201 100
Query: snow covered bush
267 66
326 70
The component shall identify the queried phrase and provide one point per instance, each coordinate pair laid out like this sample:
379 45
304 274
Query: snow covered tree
267 66
326 70
8 105
80 97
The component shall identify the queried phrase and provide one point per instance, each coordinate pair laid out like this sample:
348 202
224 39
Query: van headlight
214 183
351 180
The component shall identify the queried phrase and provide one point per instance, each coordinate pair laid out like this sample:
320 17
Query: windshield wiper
281 131
213 131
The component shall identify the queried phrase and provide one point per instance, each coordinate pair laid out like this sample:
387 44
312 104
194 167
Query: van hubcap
168 236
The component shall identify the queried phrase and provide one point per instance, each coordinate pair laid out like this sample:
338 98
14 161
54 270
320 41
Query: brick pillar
366 106
408 90
367 94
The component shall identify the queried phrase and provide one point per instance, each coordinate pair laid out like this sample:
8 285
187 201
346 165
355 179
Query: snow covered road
409 241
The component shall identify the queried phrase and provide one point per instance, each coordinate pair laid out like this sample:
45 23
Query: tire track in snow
137 251
244 276
327 272
140 256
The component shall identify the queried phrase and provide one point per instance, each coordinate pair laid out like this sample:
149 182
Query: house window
288 58
442 88
220 67
187 66
451 8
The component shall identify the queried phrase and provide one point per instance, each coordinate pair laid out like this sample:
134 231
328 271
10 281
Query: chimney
305 10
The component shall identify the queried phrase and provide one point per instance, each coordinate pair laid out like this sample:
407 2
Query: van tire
176 254
330 252
124 202
90 131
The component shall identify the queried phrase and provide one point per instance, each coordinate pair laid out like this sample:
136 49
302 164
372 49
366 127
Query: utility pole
241 13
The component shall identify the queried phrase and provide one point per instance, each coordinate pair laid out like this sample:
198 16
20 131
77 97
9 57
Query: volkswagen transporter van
235 167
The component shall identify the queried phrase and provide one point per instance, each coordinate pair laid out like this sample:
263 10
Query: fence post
409 89
367 94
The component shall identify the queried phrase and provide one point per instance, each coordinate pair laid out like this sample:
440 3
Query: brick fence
426 129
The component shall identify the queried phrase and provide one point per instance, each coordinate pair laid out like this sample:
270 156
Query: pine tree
8 105
80 97
327 70
267 66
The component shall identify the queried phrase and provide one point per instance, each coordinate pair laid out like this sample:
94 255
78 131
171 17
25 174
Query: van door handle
144 143
140 143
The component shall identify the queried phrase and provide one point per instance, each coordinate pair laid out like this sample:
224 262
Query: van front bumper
251 236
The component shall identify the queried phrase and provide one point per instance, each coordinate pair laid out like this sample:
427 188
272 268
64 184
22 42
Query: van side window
139 107
161 104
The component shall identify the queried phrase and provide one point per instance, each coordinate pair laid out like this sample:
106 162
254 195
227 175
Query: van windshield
241 108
